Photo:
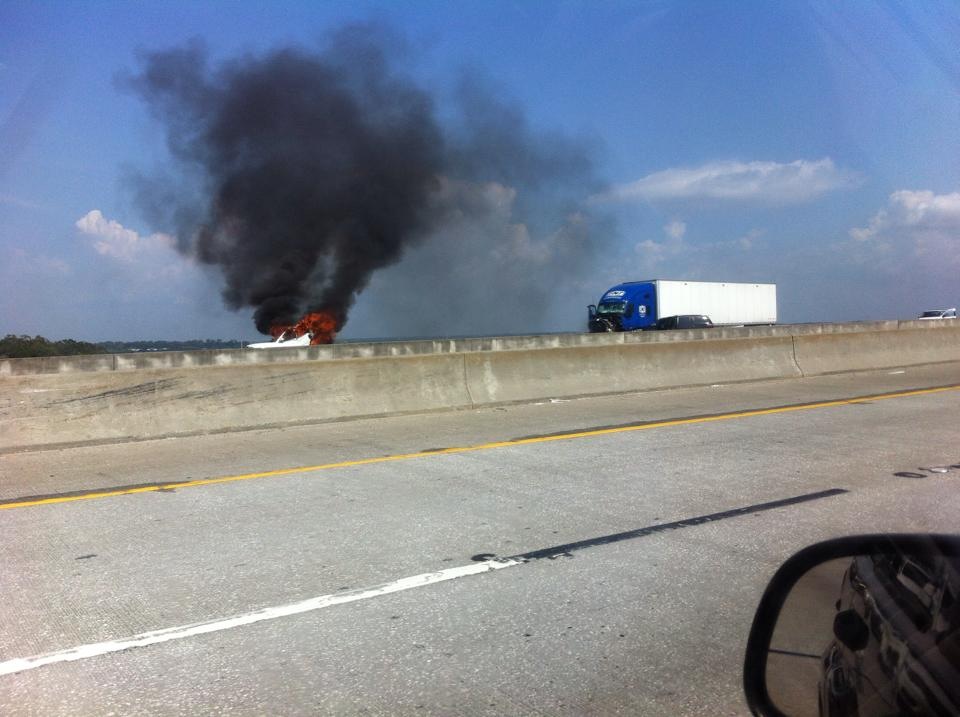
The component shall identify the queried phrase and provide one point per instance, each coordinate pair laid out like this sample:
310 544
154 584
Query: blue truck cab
630 306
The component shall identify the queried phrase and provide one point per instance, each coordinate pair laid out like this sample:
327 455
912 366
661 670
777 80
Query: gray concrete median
530 375
82 407
56 401
911 344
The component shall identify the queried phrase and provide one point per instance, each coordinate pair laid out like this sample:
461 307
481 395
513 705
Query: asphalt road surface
594 556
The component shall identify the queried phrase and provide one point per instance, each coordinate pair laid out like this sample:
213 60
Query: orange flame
320 324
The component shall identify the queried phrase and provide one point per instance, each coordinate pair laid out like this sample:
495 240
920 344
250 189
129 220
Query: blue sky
811 144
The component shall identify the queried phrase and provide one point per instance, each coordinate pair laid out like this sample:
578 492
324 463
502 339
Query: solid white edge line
83 652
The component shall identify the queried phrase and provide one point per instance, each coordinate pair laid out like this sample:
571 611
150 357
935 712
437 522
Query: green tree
12 346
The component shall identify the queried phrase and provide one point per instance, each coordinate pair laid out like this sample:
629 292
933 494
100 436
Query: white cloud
654 253
915 210
675 229
878 223
775 182
915 226
115 240
675 248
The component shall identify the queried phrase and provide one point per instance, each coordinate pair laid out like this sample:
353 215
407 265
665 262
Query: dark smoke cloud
301 173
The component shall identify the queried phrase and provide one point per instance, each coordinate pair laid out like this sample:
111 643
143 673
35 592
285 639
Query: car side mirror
592 309
857 626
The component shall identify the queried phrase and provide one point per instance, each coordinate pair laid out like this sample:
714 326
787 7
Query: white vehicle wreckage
288 339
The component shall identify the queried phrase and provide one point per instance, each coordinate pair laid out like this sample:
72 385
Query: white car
938 314
283 341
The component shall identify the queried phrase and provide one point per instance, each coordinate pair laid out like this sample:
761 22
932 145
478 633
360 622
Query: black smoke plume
300 173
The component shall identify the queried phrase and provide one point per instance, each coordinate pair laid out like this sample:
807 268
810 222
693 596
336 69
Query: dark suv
685 321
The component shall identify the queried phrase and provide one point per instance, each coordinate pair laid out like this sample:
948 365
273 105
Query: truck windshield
610 307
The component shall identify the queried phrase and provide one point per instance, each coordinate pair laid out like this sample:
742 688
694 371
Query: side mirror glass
860 626
592 309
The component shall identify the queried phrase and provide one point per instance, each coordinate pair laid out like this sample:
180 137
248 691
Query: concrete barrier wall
860 351
80 407
46 402
529 375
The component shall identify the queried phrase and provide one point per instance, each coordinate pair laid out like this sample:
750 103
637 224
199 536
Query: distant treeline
29 346
119 347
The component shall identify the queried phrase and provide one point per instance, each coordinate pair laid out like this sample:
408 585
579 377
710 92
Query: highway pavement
592 556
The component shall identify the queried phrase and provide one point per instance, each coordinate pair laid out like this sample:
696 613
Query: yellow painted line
94 494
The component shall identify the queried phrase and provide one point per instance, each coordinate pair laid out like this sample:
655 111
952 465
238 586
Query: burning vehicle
288 339
312 330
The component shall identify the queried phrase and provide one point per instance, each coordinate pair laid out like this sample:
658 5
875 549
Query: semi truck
638 305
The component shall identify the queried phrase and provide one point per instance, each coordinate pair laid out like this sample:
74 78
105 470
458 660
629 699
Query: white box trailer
724 302
637 305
